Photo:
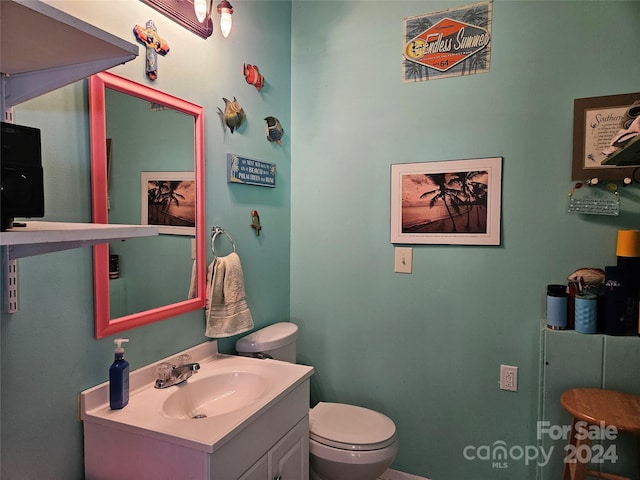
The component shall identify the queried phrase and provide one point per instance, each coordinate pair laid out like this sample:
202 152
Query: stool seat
601 407
595 405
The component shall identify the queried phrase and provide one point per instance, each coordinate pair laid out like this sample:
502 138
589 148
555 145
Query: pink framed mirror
147 156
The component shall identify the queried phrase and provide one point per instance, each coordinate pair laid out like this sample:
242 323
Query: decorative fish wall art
252 76
255 222
233 115
274 130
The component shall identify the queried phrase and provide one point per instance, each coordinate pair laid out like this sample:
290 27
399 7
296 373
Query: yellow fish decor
253 76
233 115
274 130
154 44
255 222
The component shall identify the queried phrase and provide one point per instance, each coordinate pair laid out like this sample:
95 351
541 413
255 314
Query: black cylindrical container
615 301
114 266
631 286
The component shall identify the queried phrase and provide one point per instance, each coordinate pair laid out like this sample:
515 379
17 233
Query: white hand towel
193 285
226 311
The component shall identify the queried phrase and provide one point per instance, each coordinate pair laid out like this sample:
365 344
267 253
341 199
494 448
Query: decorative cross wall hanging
155 45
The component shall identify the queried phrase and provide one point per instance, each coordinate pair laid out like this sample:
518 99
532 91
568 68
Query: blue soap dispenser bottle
119 378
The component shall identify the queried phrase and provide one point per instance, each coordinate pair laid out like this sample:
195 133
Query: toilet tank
277 340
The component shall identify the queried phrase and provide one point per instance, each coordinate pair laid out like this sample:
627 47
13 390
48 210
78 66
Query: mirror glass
147 167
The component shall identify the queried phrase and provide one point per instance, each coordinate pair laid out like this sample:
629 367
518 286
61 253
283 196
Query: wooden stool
606 408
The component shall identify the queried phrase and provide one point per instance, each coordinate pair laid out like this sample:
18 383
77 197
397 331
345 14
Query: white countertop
144 413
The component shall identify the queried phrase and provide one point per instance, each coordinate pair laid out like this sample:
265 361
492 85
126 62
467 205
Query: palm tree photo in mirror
169 201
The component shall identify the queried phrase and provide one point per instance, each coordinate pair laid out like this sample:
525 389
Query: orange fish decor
253 76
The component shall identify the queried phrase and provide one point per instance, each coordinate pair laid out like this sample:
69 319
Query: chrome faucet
169 375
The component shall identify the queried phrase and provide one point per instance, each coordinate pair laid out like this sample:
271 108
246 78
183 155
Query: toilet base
339 471
328 463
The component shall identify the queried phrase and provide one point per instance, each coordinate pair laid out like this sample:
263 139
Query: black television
21 177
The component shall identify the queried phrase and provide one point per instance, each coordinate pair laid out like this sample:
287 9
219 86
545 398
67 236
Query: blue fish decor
274 130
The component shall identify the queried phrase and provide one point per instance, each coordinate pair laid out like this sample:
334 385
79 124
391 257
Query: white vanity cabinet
272 443
287 460
266 439
274 446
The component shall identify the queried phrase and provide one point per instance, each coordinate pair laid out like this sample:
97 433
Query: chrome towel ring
215 231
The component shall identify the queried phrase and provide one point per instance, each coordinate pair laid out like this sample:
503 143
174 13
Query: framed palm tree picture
168 200
447 202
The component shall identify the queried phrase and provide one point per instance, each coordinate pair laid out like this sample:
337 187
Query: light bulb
225 10
200 7
225 24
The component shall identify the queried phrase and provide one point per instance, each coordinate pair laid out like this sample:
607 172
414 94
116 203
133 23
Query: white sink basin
214 395
226 395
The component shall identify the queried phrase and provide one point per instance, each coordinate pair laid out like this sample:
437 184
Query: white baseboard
395 475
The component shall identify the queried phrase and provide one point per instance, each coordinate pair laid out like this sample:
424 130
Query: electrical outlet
509 378
403 260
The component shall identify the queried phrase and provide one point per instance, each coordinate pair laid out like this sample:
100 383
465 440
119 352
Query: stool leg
638 454
568 471
574 469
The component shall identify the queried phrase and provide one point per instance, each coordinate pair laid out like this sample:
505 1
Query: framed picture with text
596 121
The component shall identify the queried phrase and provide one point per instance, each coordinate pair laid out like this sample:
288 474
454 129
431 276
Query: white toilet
346 442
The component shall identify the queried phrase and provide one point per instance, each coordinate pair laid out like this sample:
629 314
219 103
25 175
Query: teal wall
49 353
426 348
423 348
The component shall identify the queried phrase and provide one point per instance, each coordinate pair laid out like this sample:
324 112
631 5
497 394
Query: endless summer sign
445 40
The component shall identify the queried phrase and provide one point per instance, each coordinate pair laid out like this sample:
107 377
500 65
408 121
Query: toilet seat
349 427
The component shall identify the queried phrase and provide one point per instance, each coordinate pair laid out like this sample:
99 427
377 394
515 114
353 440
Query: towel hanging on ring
226 309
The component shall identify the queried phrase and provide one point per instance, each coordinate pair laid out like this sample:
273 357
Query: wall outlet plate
509 378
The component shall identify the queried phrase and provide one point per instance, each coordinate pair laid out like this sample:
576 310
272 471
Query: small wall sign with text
250 172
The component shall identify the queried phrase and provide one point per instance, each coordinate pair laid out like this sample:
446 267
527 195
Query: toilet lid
350 427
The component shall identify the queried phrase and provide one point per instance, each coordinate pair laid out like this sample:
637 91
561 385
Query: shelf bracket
10 286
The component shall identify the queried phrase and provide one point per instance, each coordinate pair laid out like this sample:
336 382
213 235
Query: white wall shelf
43 48
627 156
45 237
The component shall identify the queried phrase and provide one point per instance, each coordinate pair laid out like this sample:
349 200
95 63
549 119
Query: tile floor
395 475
